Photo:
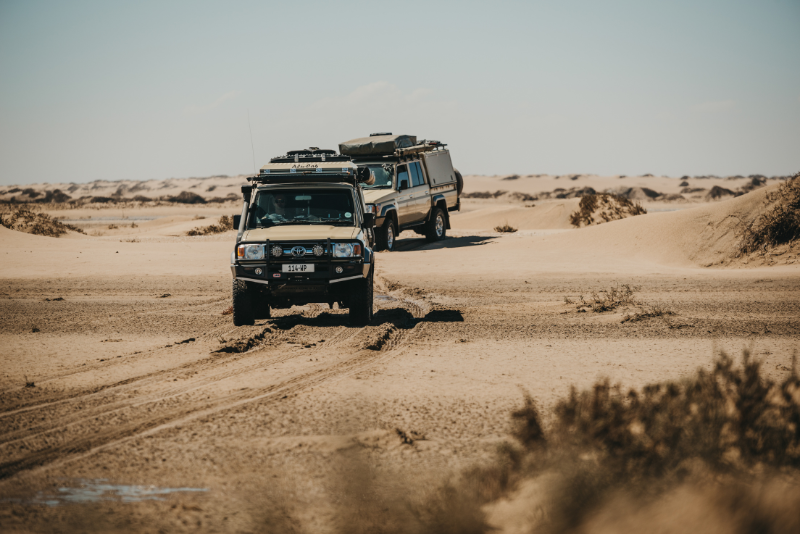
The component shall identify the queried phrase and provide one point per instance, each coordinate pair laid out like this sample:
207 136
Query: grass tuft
595 209
25 220
606 300
780 224
649 311
505 229
225 223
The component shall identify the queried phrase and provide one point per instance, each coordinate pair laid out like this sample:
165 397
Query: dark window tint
402 174
302 206
416 174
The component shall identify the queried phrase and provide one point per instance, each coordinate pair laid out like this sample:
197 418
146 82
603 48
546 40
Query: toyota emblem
298 252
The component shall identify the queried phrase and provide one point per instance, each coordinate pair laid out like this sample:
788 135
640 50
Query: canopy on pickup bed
376 145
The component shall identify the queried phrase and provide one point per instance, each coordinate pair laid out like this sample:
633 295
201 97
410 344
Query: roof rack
309 155
423 146
307 177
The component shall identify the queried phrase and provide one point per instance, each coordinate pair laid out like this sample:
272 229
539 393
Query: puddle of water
92 491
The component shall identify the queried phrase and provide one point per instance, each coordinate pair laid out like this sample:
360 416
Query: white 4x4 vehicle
415 185
303 238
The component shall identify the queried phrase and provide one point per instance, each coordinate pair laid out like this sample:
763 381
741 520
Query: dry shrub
484 194
778 225
606 300
648 311
729 438
185 197
24 220
717 429
505 228
225 223
513 195
605 207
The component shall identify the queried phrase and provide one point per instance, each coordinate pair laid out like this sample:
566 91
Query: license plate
297 268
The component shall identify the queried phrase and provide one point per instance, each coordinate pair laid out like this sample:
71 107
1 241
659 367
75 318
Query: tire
436 227
260 303
371 237
459 182
242 304
386 235
361 302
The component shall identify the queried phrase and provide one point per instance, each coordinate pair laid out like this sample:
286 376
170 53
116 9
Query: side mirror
369 220
403 185
237 219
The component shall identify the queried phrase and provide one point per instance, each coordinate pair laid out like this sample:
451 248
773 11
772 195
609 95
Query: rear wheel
436 228
361 301
387 235
242 304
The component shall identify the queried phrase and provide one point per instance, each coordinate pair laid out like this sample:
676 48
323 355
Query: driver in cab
279 208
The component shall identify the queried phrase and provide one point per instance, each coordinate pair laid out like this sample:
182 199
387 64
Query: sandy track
137 387
66 426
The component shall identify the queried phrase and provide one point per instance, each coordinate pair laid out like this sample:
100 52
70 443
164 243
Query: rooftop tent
376 145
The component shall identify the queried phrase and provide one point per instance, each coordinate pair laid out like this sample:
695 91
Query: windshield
276 207
383 176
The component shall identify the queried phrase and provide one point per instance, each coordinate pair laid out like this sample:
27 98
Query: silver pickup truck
415 186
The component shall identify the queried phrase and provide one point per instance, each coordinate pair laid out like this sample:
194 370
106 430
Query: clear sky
150 90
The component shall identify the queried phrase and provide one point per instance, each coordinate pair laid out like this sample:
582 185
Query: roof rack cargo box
377 145
439 167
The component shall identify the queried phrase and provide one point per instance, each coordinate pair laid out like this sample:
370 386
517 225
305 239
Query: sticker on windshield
347 214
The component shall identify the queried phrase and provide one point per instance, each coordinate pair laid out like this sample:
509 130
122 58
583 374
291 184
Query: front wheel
437 226
361 301
242 304
387 235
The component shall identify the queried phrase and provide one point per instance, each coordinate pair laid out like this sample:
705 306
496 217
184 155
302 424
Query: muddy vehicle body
302 238
415 185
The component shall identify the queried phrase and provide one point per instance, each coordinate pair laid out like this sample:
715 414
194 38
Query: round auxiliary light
318 250
339 270
277 251
259 271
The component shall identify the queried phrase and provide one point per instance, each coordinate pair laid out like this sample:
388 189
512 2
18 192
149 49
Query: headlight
250 252
346 250
372 208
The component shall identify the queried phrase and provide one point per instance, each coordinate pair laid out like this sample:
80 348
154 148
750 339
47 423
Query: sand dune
691 239
545 215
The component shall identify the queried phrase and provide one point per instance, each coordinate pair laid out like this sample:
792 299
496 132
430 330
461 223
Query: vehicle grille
308 248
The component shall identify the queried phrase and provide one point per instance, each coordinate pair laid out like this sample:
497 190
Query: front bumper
327 269
324 272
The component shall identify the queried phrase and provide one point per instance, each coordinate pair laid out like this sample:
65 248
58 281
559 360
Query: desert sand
122 375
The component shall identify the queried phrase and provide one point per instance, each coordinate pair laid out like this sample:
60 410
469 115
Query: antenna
251 141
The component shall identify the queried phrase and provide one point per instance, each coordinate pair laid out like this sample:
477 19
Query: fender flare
387 208
389 211
435 200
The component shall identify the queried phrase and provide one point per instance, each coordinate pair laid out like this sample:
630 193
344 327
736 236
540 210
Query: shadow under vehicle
302 238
